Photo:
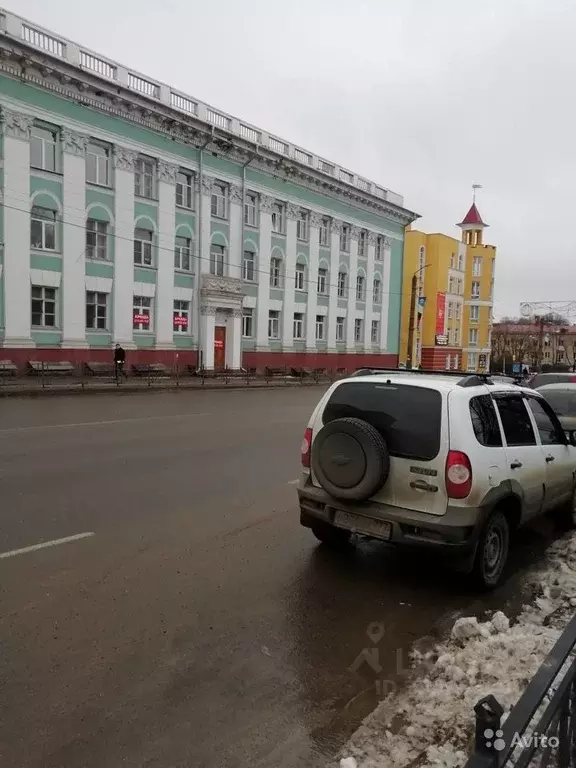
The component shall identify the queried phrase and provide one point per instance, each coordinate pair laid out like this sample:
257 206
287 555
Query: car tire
335 538
350 459
565 516
491 552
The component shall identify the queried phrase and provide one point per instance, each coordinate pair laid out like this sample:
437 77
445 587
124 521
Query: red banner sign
440 313
218 344
183 321
143 319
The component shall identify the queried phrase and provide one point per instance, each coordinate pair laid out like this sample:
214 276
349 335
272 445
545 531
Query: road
199 625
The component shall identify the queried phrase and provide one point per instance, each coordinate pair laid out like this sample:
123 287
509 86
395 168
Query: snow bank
430 722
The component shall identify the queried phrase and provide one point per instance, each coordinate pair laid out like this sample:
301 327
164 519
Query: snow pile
430 723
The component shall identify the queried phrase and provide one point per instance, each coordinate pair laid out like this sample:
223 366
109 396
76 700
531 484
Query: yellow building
447 289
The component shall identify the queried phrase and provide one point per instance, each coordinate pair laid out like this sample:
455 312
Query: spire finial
474 188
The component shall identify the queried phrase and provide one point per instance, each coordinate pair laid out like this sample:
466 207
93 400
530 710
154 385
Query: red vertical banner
440 313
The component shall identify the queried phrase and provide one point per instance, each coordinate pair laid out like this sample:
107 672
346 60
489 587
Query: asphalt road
199 625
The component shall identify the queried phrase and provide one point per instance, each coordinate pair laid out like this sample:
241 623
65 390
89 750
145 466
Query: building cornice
33 66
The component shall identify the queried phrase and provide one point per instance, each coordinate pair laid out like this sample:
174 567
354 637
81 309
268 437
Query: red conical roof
473 217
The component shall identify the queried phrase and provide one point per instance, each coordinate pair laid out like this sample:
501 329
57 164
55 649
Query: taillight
458 475
306 448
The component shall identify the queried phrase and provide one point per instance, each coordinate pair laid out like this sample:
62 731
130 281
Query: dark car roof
552 378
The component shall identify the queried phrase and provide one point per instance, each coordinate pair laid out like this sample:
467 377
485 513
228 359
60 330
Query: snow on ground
430 722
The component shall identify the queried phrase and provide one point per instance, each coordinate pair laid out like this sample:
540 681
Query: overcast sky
423 96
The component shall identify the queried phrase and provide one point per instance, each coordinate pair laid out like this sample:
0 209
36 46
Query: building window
96 240
43 148
377 291
142 313
450 285
324 231
96 311
217 260
341 284
247 323
345 238
460 286
458 307
360 288
278 219
375 331
450 310
220 200
273 324
471 361
145 178
460 263
185 189
298 329
477 266
340 324
43 229
475 289
143 247
322 286
275 273
302 225
474 314
300 277
98 164
181 318
379 250
249 266
448 361
251 209
358 329
43 307
452 266
320 327
182 253
473 337
362 244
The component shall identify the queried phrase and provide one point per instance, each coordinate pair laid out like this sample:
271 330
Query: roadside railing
540 731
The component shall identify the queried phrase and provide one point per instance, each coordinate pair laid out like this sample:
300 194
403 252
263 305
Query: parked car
540 379
562 398
451 463
498 378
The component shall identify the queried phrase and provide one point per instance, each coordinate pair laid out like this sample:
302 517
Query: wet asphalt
200 625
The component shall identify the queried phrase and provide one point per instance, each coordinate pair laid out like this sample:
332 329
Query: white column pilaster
236 245
335 232
205 222
166 231
263 300
234 340
351 315
312 276
369 295
385 295
289 279
73 291
124 161
16 129
208 323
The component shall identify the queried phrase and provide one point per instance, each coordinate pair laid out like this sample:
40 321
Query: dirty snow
435 710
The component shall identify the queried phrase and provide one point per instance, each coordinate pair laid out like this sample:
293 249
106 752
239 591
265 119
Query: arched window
300 276
361 286
276 271
377 290
342 282
143 241
323 282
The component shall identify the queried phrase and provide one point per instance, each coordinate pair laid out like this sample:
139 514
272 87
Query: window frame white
185 183
477 266
320 328
377 291
218 260
472 362
143 242
274 324
345 238
275 272
340 326
42 142
300 277
324 232
322 281
379 249
146 178
474 314
362 244
358 330
278 217
247 323
303 226
97 231
104 154
38 216
49 297
219 200
475 294
100 300
298 326
360 287
251 204
182 252
342 284
181 309
249 266
375 332
473 336
145 307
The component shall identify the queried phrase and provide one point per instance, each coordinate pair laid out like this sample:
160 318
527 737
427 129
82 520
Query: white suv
449 462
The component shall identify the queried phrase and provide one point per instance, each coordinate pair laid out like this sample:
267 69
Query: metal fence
540 731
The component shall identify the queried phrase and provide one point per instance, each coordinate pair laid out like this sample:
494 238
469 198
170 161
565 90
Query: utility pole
412 320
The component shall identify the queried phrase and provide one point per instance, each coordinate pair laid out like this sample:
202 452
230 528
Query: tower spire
472 225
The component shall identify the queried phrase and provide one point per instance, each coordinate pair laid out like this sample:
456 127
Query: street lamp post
412 320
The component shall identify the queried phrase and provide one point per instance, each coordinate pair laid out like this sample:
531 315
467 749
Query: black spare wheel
350 459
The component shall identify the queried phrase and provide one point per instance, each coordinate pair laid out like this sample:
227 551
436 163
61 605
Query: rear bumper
455 532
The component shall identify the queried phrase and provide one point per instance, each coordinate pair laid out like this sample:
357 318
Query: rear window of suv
408 418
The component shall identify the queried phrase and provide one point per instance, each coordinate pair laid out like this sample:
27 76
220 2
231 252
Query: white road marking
55 543
11 430
294 482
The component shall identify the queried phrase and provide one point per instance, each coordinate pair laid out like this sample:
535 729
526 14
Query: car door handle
549 458
516 465
422 485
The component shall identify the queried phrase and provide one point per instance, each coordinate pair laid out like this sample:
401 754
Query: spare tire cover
350 459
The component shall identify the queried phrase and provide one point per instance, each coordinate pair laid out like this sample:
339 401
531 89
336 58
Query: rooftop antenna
474 188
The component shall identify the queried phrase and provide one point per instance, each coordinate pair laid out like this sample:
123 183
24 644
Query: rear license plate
365 525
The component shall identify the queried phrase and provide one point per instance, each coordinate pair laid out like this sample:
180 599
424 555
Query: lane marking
55 543
98 423
294 482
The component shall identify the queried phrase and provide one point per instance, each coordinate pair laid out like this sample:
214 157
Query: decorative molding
167 172
219 285
207 182
386 241
372 238
354 233
316 219
16 124
124 159
336 227
235 193
266 203
208 309
292 211
73 142
238 312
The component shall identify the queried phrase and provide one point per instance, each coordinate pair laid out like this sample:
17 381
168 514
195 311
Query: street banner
440 313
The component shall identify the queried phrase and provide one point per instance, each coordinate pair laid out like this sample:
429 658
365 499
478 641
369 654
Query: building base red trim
434 358
347 362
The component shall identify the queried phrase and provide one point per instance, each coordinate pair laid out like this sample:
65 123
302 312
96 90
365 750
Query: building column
335 231
263 301
124 162
387 255
351 314
312 303
234 340
207 326
73 294
17 319
236 248
166 230
289 279
371 251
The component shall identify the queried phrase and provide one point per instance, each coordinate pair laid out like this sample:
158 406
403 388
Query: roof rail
466 379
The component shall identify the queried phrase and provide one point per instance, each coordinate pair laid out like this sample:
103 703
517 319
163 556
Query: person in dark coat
119 360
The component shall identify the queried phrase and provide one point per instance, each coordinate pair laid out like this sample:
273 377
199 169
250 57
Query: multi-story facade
533 344
137 215
454 297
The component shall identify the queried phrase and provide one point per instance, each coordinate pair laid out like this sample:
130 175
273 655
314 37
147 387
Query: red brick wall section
314 360
434 358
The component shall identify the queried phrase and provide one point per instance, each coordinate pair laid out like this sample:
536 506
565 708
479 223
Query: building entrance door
219 346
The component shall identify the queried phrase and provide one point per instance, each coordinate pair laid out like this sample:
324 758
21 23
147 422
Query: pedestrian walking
119 360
